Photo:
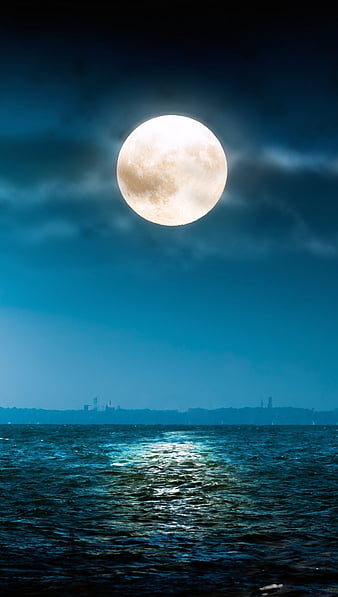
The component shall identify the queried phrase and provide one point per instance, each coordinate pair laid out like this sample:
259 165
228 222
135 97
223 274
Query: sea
99 510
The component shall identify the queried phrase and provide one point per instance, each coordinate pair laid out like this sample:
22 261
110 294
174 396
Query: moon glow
171 170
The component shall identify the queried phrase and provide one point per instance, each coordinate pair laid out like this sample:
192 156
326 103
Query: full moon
171 170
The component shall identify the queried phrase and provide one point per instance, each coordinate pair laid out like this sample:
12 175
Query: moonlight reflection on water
168 511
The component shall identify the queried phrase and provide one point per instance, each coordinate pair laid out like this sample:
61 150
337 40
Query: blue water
124 510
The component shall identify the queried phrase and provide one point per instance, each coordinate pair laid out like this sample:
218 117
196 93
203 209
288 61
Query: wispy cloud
293 161
265 209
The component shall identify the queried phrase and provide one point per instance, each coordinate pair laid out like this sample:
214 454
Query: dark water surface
123 510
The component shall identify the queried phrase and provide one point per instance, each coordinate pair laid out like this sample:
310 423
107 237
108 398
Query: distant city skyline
191 416
96 301
100 405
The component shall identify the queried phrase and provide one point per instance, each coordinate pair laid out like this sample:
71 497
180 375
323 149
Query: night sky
96 301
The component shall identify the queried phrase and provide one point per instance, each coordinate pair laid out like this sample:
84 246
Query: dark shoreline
192 416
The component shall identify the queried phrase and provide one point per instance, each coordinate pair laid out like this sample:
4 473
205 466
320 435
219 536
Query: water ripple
107 510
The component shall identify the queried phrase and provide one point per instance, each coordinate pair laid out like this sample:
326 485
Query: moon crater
149 179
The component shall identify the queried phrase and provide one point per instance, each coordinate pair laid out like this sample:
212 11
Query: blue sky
95 301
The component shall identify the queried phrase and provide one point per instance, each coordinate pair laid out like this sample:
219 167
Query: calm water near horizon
156 510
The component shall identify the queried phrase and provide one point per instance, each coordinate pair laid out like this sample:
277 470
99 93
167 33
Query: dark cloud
73 94
273 202
33 160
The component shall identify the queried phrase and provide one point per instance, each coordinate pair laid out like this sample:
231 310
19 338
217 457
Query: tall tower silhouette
269 402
